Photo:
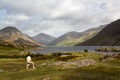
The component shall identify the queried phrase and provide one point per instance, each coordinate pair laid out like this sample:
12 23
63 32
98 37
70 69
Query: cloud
67 7
56 17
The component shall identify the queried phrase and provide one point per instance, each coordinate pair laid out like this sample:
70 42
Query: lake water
47 50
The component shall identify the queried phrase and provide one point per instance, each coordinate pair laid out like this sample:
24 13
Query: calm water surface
47 50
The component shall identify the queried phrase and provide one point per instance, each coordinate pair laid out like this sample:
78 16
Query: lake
47 50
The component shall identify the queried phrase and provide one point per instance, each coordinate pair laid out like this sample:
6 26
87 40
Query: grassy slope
71 42
8 50
11 52
14 69
109 36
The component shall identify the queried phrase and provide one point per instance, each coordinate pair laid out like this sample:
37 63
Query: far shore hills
105 35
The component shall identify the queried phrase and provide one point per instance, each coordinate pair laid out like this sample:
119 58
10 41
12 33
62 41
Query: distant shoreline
47 50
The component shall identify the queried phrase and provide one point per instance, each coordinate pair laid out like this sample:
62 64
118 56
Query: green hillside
74 41
109 36
73 38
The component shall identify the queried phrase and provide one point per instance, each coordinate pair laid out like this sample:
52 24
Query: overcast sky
56 17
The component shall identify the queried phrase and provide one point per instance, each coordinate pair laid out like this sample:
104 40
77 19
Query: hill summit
44 38
12 36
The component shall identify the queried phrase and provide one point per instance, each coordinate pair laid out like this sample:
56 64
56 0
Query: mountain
11 36
109 36
73 38
59 41
44 38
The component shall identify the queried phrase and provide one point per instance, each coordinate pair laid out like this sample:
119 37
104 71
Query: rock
85 62
1 70
76 64
47 78
59 63
107 59
43 64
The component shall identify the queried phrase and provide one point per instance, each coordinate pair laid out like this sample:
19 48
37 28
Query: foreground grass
14 69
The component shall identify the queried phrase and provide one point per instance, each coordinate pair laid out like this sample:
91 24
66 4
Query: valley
62 60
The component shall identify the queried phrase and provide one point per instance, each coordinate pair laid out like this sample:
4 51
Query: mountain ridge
43 38
72 38
109 36
14 37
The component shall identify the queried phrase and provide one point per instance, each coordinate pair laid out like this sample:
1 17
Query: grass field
14 69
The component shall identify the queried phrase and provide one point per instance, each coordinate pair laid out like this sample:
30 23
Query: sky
56 17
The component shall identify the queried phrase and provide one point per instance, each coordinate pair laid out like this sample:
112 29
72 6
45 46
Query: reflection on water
69 49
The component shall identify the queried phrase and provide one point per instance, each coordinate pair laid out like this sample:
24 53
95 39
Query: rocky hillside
109 36
13 37
43 38
73 38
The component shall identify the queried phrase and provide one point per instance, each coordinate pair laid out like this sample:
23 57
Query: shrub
85 50
57 54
